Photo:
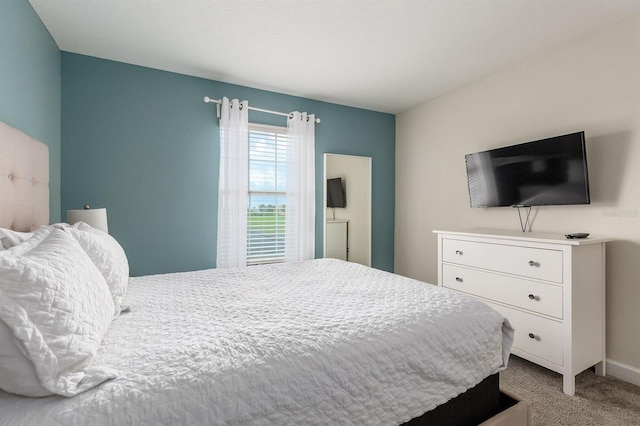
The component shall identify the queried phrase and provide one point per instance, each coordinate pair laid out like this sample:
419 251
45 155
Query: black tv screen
335 193
546 172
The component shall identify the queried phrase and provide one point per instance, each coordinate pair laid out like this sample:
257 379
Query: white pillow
17 374
57 307
10 238
108 256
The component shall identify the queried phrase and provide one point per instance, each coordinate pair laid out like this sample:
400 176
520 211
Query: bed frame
24 206
469 408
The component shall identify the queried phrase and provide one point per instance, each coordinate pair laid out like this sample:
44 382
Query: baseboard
623 372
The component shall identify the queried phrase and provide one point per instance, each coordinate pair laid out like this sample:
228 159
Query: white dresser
550 288
337 244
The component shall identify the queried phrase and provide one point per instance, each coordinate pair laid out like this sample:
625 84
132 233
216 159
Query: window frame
279 132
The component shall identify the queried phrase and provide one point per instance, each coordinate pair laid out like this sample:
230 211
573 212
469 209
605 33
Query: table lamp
96 218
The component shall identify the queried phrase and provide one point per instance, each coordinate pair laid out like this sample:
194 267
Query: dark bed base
470 408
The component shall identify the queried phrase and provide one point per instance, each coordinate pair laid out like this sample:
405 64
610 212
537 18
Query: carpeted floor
602 401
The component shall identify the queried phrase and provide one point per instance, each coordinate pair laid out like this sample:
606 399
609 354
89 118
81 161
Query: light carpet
602 401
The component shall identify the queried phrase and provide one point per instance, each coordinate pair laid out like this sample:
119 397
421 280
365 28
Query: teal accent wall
143 144
30 84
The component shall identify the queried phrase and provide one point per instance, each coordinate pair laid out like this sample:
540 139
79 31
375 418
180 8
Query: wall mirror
347 208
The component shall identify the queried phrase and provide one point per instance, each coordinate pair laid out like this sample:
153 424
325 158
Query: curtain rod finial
206 99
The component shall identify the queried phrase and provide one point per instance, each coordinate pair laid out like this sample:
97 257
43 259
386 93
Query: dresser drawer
546 342
531 295
543 264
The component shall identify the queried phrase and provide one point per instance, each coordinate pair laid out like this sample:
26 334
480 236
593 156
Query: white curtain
233 185
300 192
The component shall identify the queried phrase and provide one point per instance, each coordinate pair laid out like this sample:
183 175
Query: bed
315 342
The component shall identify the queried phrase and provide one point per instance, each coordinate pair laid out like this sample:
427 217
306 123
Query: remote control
577 235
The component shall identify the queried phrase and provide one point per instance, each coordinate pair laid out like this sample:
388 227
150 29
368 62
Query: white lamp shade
96 218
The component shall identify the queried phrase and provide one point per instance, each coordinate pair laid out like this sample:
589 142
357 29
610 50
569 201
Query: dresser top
541 237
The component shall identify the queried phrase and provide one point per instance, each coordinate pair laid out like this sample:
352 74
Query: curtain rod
218 102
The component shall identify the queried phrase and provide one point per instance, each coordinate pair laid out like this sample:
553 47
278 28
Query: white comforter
319 342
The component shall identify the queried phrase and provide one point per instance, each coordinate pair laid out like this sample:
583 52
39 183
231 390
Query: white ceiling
383 55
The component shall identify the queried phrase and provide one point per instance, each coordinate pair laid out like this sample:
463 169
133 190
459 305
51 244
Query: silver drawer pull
459 279
533 263
459 252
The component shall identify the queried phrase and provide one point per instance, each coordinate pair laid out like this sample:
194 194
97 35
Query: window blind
267 197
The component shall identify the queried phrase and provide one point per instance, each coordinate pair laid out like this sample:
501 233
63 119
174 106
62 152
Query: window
267 198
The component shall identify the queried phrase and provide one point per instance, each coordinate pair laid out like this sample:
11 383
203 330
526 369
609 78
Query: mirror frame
324 200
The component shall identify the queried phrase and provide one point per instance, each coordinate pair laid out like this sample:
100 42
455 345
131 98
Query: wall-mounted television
336 196
545 172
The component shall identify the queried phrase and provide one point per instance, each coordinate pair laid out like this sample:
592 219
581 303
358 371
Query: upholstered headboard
24 180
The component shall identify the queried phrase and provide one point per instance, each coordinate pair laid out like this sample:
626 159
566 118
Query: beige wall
592 84
356 174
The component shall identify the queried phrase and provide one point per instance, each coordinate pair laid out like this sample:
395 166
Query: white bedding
318 342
